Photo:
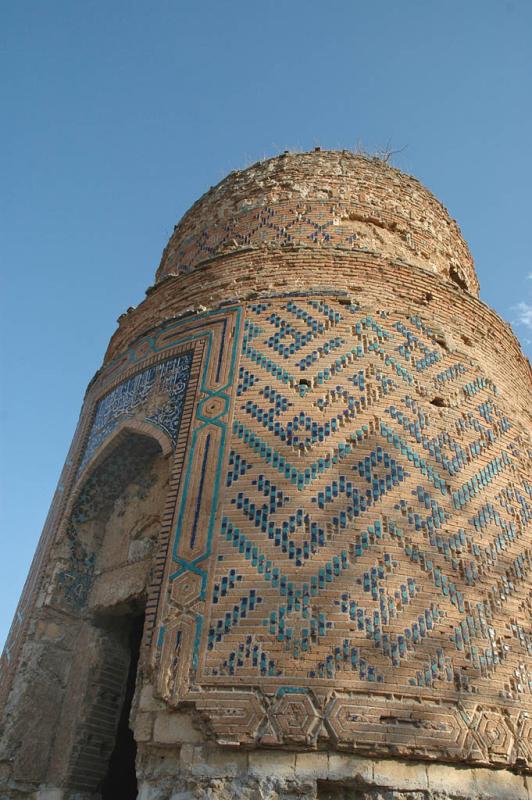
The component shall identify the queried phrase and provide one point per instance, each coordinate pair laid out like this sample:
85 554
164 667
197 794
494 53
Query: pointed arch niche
103 565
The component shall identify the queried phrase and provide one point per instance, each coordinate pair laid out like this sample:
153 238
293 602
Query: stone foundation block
213 762
400 775
143 727
311 765
175 728
186 756
346 767
148 702
453 780
149 792
267 765
494 785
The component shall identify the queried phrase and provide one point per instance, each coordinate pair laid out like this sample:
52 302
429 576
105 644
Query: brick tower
289 554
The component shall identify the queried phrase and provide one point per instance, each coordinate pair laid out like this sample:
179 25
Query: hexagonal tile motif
234 716
494 734
524 735
296 717
186 588
344 718
378 723
212 407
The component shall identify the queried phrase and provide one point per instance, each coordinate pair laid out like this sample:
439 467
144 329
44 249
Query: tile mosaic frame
207 338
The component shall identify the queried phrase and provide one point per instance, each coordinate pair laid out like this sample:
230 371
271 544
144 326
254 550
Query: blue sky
118 114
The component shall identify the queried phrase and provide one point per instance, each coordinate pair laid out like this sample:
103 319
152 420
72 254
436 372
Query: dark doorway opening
120 783
335 790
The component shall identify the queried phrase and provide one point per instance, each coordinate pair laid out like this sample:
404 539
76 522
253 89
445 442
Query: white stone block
175 727
50 794
143 726
218 763
147 700
343 766
400 775
495 784
454 780
312 765
272 764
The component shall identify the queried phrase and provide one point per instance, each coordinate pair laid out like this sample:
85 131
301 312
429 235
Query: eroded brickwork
334 200
307 454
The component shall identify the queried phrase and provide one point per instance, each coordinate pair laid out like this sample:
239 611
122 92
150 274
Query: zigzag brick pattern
376 519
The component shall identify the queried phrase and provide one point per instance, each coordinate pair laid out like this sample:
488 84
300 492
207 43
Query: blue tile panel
166 380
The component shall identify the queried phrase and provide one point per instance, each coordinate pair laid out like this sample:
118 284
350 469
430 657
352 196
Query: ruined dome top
324 199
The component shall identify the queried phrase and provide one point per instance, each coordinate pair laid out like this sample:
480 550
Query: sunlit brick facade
299 494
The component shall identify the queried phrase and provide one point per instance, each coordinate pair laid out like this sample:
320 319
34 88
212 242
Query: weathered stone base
208 772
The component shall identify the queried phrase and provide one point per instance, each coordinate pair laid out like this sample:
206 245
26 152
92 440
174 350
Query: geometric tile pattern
344 553
282 223
167 380
373 534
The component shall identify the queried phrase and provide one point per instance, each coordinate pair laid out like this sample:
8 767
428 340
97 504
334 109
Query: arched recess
88 625
127 428
110 536
123 471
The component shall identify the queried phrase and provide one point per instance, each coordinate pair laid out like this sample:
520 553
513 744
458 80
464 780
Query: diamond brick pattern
375 533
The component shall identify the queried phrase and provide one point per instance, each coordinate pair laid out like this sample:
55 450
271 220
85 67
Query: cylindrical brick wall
344 559
375 508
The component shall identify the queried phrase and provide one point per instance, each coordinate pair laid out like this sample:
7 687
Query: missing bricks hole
456 277
391 720
438 401
305 382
